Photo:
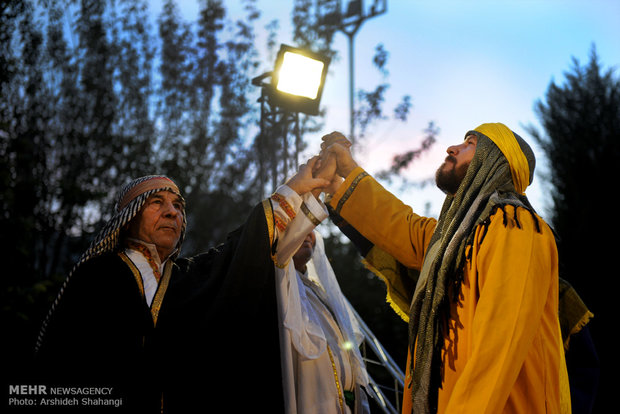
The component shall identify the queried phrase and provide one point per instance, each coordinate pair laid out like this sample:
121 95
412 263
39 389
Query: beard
450 175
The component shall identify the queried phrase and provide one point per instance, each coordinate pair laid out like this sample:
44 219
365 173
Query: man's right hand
335 138
338 145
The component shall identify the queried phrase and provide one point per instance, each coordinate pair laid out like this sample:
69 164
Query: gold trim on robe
161 287
269 217
134 270
161 291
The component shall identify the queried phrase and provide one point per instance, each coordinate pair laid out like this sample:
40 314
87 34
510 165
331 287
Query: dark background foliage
92 94
581 139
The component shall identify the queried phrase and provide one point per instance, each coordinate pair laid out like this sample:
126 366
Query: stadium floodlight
297 80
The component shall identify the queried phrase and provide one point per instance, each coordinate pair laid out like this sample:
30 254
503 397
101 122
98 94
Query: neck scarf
152 257
129 203
489 183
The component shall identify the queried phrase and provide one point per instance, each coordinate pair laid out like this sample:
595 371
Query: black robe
214 347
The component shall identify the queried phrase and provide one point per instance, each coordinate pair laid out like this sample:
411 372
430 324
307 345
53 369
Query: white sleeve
295 216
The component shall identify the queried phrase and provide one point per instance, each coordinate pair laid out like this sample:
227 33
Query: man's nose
170 210
453 150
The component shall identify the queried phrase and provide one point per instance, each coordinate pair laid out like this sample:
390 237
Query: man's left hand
304 181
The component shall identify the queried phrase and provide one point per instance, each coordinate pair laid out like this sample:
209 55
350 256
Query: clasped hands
326 171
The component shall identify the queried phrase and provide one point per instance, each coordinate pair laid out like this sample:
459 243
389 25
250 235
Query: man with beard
478 286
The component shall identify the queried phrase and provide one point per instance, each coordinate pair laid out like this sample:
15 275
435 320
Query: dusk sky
462 62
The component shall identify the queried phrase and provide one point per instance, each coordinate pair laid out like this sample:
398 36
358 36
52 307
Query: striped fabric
108 239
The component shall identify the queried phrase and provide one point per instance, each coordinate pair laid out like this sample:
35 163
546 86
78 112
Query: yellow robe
503 351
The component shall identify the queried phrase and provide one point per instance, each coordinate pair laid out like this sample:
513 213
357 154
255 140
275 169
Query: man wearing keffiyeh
478 286
170 334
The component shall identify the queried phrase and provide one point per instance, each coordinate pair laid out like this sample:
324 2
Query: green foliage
94 94
92 97
204 109
581 122
402 161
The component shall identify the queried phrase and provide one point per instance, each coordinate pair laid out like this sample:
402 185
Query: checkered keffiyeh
129 203
487 185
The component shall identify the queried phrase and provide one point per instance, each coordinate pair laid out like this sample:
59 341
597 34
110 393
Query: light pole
349 22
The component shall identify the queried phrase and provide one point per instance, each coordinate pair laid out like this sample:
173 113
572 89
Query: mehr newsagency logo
43 396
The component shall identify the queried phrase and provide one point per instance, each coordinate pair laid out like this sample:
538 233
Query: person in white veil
323 370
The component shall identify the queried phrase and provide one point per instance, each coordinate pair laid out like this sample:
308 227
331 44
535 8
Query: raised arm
375 212
297 209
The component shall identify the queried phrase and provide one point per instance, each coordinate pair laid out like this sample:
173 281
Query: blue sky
463 62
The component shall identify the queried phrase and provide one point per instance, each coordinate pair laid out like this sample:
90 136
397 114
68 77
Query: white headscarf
301 329
320 269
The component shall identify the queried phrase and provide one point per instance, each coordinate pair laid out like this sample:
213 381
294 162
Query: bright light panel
300 75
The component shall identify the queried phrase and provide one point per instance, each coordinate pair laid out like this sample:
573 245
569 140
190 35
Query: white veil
301 329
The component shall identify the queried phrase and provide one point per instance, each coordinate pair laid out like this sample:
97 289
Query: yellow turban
507 143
